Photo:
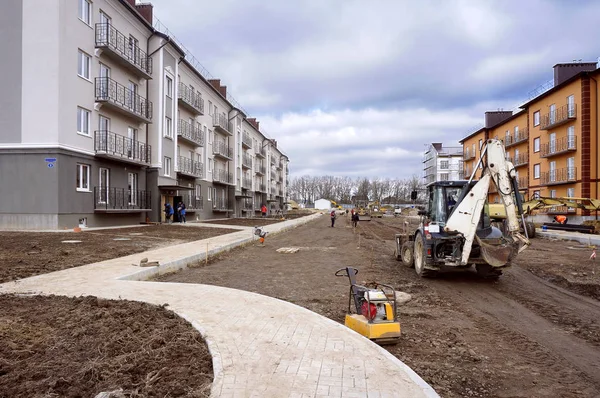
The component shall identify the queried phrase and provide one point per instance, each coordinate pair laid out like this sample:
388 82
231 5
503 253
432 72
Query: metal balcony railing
221 149
247 183
559 146
190 133
468 156
192 202
516 138
560 116
222 176
191 98
559 176
523 182
247 161
118 146
109 91
248 205
246 140
108 37
189 167
262 188
121 199
260 152
220 204
220 123
260 169
521 159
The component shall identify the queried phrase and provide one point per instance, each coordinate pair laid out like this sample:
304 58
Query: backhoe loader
455 231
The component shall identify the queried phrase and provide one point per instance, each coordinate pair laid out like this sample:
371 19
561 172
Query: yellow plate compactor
375 310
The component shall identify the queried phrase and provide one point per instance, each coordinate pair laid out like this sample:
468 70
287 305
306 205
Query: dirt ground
78 347
24 254
522 336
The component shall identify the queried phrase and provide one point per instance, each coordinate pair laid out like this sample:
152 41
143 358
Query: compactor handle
347 269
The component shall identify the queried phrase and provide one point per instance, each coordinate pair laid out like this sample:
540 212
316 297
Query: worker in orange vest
560 219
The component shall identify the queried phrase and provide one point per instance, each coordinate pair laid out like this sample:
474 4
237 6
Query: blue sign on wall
50 160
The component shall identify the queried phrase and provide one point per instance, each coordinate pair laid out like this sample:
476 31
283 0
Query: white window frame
445 163
83 170
210 136
168 127
84 117
210 165
536 171
210 108
536 144
536 118
209 194
84 65
570 192
536 194
553 193
86 18
169 86
198 191
132 188
167 166
103 198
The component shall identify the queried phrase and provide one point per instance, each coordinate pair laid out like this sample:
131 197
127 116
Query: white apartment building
105 119
442 163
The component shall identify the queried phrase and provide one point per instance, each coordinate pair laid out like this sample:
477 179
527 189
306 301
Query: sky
360 88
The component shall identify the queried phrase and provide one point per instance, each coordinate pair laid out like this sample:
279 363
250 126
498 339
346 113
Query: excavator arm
465 217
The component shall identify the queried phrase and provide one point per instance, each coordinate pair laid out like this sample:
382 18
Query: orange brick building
552 140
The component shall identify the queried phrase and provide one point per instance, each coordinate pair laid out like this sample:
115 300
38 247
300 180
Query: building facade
442 163
552 139
105 119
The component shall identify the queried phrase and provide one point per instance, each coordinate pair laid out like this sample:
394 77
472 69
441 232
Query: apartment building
552 139
442 163
105 119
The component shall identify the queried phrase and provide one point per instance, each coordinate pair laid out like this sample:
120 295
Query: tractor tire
530 229
419 258
407 254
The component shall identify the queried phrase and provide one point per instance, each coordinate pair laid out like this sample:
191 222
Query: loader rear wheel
407 254
419 258
530 229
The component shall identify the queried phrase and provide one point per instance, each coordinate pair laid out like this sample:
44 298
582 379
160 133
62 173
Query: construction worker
561 219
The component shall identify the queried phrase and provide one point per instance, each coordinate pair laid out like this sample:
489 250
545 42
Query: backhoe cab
455 229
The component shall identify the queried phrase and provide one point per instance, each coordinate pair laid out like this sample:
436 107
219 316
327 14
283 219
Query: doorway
176 200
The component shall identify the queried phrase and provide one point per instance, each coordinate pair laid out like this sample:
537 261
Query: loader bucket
498 254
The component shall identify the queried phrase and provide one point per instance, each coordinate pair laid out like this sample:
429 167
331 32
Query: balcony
221 124
521 160
121 200
560 116
122 99
248 205
246 141
222 177
246 161
114 146
280 165
514 139
557 210
118 47
468 156
280 192
190 134
221 205
565 175
273 161
261 170
192 202
261 188
559 146
191 99
523 182
247 183
189 167
221 150
260 152
272 191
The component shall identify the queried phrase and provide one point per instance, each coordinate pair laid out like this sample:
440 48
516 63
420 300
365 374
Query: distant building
322 204
442 163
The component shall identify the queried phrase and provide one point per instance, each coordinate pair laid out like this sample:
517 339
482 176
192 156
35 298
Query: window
536 194
444 165
516 133
169 86
83 121
480 144
552 173
104 185
552 113
198 191
168 127
536 144
210 136
570 192
571 137
536 171
209 196
210 109
133 48
553 193
444 177
83 65
571 105
571 168
132 188
209 165
83 177
85 11
167 166
536 118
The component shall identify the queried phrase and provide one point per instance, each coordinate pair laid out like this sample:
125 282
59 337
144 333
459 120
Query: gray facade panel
11 46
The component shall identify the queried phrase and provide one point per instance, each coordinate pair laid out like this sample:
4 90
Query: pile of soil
25 254
78 347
